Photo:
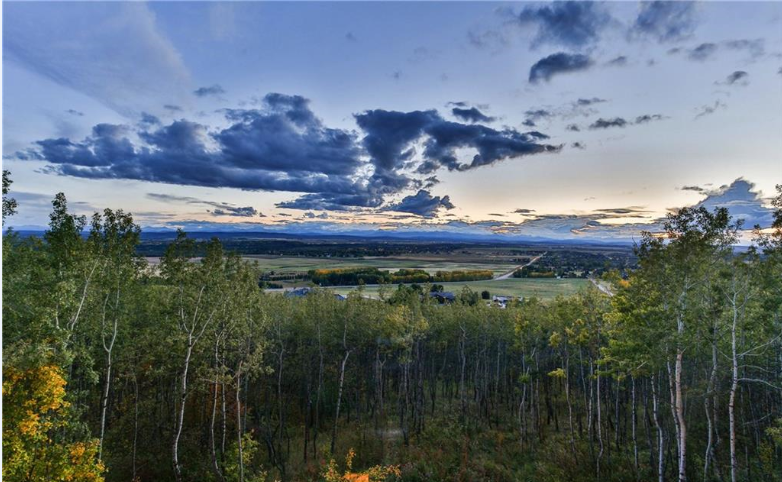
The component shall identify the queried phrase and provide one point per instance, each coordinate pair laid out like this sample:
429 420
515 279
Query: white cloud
112 52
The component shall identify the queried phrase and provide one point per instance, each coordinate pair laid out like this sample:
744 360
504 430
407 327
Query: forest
356 276
188 371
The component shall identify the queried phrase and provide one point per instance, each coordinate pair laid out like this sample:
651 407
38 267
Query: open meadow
545 289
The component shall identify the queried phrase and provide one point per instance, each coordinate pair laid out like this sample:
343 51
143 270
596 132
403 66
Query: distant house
502 301
302 292
298 292
443 296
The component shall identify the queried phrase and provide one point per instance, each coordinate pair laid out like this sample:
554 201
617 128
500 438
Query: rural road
510 273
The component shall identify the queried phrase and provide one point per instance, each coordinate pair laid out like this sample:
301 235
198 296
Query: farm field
525 287
430 264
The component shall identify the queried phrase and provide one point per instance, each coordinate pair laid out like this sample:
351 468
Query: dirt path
602 287
510 273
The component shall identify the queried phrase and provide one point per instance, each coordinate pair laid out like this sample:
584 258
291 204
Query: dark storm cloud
389 135
283 146
215 89
567 24
471 115
738 77
702 52
556 64
422 204
665 21
608 123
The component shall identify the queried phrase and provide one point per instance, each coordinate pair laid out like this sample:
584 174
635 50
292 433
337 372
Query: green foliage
98 345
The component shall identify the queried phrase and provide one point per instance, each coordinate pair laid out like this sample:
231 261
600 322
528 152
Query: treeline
191 372
155 244
358 276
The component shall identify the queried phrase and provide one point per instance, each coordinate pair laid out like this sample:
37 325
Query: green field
519 287
429 264
542 288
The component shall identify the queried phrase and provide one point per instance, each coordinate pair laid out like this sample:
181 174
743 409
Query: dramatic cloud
215 89
390 136
710 109
283 146
471 115
566 24
556 64
742 201
422 204
608 123
738 77
665 21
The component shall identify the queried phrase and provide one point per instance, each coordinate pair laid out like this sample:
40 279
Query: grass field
429 264
542 288
519 287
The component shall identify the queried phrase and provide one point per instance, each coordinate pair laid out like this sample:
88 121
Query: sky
564 120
